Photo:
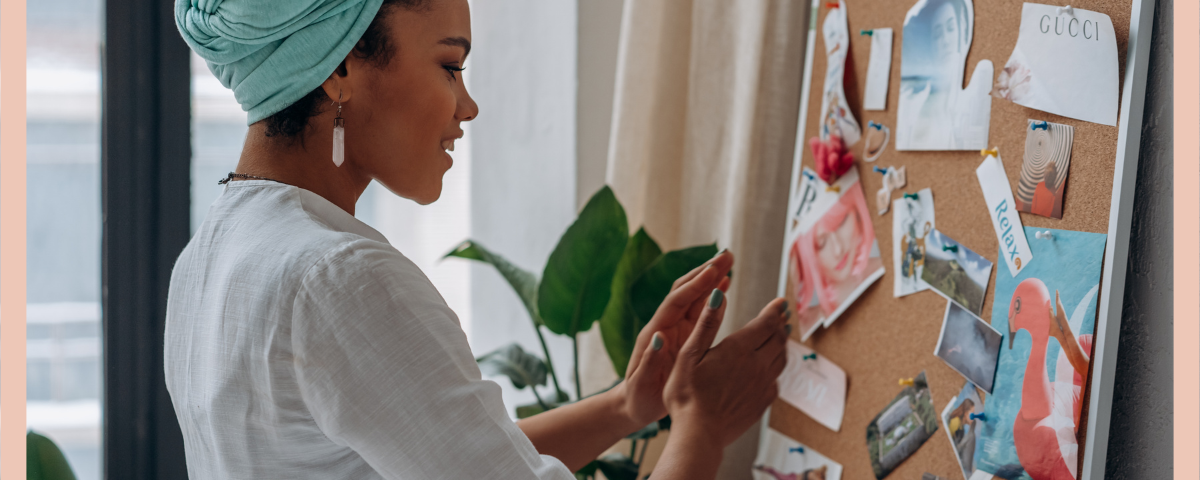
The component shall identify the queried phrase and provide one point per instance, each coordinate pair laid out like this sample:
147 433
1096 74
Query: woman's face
836 248
945 32
402 118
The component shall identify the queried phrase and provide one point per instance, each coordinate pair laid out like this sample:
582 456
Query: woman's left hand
653 358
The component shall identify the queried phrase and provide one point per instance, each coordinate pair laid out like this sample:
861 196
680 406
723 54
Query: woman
300 344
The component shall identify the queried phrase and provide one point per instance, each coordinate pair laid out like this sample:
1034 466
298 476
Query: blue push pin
911 195
809 175
879 170
1041 125
877 126
950 248
796 450
978 416
866 32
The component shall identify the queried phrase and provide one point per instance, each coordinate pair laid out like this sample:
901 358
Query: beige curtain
704 122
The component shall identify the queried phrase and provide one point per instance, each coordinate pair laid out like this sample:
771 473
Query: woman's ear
338 86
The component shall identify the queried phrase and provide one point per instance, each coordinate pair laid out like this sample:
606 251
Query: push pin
866 32
811 356
1044 235
1043 125
1067 10
798 449
912 196
979 416
831 5
908 382
995 152
877 126
950 248
834 188
809 175
879 170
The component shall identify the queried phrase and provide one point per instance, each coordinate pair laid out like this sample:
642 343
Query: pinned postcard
879 69
935 111
836 119
1044 172
832 254
969 345
956 272
814 385
962 418
911 225
781 458
1047 315
902 427
1014 247
1065 63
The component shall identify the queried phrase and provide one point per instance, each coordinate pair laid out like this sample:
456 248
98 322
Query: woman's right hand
717 393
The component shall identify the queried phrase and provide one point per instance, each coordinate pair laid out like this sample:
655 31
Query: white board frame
1116 252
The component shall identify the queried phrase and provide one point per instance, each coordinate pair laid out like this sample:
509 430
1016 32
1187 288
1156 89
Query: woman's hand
659 341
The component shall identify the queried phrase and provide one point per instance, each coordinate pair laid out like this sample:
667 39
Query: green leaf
513 362
577 282
617 466
652 287
588 471
44 460
522 281
618 325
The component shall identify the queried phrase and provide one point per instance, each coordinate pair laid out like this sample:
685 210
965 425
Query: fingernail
783 307
787 314
656 342
714 300
788 328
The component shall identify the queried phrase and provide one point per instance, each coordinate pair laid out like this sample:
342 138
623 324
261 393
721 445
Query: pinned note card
814 385
878 69
1044 172
1065 63
1003 211
911 224
781 458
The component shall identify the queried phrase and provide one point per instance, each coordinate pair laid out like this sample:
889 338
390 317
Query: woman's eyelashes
451 69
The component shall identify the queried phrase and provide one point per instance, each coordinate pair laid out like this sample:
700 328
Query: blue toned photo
969 345
956 272
1047 314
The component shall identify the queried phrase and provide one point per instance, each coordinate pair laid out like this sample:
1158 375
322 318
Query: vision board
880 339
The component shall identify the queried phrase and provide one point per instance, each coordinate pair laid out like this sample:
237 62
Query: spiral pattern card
1044 172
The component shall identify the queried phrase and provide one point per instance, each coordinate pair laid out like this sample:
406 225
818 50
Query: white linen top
301 345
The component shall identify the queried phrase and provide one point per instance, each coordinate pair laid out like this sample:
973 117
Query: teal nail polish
656 342
788 328
715 300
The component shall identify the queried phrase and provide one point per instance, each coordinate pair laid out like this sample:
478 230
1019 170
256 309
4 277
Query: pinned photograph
1044 172
912 223
901 428
969 345
961 419
781 458
956 272
814 385
1047 314
832 255
935 111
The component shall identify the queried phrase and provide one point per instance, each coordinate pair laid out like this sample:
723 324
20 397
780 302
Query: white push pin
1067 10
1044 235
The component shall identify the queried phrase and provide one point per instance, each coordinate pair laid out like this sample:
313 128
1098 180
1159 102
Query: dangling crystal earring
339 135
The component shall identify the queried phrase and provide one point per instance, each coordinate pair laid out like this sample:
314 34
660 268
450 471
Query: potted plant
597 273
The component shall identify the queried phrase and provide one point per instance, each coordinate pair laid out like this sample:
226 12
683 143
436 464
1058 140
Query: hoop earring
339 135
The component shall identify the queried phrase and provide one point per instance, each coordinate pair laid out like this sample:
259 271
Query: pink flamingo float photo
1046 426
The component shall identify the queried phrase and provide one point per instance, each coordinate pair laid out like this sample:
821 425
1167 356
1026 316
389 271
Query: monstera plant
598 273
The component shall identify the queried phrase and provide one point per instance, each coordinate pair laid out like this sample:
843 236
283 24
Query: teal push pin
912 196
867 32
811 356
979 416
950 248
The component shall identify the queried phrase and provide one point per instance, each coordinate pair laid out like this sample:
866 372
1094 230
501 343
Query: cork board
881 339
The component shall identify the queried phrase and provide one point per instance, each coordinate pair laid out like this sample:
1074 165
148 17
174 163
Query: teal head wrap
270 52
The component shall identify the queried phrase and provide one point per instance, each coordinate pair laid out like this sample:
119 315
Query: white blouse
301 345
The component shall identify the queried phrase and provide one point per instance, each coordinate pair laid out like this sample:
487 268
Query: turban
272 53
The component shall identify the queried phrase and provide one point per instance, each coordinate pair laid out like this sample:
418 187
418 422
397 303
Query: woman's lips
448 145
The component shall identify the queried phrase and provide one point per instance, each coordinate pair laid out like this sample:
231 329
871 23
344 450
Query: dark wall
1140 440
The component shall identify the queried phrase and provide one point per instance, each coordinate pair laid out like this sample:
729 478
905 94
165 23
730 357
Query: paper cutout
815 386
1064 63
781 458
962 429
1003 212
1044 172
1034 411
871 150
912 222
836 119
935 112
894 178
832 255
878 70
956 272
901 428
969 345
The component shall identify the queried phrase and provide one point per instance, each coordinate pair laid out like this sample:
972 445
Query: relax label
1014 247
